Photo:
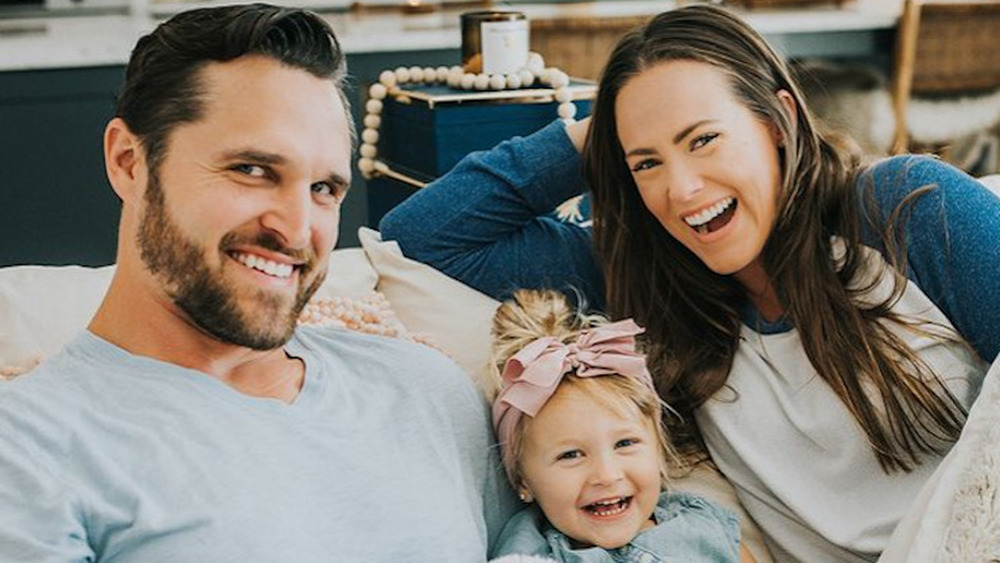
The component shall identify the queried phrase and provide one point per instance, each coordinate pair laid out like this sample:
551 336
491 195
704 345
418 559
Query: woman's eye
703 140
253 170
644 165
572 454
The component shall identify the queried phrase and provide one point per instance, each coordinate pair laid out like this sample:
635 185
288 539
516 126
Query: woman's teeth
269 267
700 220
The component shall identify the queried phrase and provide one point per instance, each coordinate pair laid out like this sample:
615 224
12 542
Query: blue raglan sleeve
486 222
951 237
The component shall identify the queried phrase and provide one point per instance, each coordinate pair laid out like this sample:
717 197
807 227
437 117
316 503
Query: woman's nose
684 181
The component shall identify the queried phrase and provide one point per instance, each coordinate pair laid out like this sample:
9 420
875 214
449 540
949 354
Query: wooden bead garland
389 83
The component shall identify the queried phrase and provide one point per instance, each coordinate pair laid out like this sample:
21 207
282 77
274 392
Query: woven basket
751 4
958 48
580 46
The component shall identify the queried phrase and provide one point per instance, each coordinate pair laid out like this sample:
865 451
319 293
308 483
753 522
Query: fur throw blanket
956 517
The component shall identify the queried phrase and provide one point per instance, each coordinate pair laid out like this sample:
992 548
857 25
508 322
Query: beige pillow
43 307
446 313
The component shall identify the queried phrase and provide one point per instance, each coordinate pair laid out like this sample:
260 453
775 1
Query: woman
826 326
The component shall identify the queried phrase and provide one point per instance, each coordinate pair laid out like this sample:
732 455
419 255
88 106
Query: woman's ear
124 160
792 108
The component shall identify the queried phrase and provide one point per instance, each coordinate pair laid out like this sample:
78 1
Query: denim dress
688 529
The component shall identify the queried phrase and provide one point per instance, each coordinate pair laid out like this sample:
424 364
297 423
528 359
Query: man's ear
787 100
124 160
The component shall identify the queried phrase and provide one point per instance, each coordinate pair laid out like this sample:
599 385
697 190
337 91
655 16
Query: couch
43 307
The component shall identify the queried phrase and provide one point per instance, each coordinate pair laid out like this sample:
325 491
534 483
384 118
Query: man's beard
205 296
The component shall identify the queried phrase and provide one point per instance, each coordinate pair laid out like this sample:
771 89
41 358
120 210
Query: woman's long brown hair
692 314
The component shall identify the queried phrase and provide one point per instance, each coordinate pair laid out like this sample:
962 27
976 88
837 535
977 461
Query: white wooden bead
544 76
482 81
567 110
416 74
455 79
373 121
558 78
536 64
442 74
497 81
563 95
370 136
527 77
377 91
373 106
513 81
388 78
402 75
457 68
468 81
366 165
430 75
367 150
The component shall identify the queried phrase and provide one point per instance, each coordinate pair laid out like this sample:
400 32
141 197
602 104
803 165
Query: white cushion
43 307
449 315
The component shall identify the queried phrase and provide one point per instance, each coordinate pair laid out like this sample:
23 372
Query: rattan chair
946 77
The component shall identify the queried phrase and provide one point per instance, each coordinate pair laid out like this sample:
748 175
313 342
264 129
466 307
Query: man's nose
289 215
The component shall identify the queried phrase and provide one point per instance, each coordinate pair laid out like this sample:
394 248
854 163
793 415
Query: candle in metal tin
494 42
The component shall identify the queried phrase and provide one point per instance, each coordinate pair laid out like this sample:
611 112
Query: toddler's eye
572 454
624 443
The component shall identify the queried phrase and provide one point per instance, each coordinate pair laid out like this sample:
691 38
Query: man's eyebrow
254 156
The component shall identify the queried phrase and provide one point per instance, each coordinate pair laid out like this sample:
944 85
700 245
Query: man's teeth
269 267
707 215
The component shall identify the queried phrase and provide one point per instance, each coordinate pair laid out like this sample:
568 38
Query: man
192 421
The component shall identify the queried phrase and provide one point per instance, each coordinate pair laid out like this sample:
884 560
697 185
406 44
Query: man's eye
703 140
323 188
329 190
253 170
644 164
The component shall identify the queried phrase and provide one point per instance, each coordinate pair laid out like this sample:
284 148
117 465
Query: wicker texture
580 46
958 48
783 3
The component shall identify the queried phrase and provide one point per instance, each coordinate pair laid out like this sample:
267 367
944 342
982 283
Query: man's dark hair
162 89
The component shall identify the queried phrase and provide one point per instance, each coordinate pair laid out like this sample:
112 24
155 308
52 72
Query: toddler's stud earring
525 497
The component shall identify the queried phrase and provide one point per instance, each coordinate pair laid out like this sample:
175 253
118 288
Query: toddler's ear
524 494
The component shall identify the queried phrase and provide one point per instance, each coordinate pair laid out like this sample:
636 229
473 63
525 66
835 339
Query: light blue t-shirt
106 456
689 529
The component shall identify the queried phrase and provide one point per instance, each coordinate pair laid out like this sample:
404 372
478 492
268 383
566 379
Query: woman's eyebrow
687 130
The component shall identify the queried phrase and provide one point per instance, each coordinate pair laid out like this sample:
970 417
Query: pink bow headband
531 376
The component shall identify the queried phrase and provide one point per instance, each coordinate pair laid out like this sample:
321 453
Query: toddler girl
583 445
